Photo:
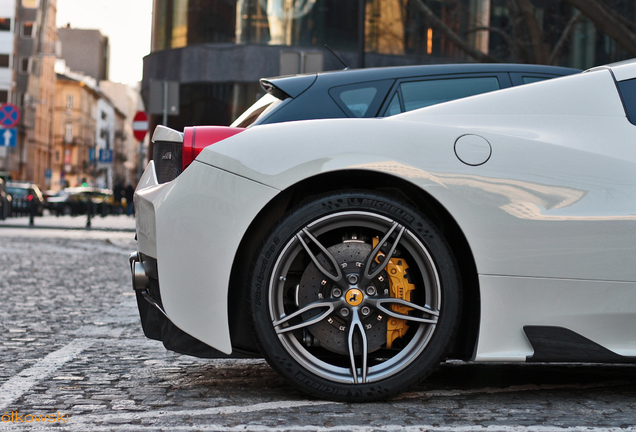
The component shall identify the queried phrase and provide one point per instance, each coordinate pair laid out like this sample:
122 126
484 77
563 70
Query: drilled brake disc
331 333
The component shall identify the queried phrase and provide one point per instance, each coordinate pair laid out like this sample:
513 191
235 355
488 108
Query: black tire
331 329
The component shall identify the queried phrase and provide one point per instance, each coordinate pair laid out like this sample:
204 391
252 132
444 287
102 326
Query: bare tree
525 36
609 22
459 41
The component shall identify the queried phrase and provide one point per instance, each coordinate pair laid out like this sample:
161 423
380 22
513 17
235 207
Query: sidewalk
98 223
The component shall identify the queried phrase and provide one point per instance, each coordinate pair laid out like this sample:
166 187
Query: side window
627 90
394 107
420 94
5 24
28 28
361 100
358 100
532 79
25 63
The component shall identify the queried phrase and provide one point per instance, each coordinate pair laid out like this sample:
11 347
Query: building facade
74 132
216 50
34 66
126 159
70 131
8 15
89 134
85 51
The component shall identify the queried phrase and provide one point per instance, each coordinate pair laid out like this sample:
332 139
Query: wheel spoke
356 324
337 278
369 275
329 304
379 304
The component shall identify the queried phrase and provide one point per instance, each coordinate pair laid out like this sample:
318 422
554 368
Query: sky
127 24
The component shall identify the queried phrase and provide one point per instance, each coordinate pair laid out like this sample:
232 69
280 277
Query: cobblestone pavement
72 350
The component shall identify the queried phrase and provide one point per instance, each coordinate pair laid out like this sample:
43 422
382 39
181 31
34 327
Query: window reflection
297 22
392 27
179 23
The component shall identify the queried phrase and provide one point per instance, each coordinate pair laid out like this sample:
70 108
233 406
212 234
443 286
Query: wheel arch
240 323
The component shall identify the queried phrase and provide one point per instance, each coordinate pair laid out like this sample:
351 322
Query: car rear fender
194 273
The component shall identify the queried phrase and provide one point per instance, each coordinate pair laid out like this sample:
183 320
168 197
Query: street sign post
164 99
9 119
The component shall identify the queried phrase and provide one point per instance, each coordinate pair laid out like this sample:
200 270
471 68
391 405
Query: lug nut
371 290
352 278
365 310
336 292
344 312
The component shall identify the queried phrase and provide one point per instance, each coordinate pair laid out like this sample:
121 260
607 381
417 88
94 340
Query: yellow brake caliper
400 288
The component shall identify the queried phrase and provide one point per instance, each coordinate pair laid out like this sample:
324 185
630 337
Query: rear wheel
355 296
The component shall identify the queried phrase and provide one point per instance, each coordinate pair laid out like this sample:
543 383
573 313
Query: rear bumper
145 275
154 321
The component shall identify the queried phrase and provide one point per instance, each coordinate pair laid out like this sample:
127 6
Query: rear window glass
628 94
261 107
420 94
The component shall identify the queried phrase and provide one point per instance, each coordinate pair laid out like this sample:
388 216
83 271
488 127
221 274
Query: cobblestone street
72 349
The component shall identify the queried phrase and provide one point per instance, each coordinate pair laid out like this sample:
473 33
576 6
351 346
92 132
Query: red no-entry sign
140 125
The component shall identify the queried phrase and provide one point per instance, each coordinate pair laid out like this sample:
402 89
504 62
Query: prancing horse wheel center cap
354 297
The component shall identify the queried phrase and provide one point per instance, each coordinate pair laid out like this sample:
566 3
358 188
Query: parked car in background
79 200
361 253
360 93
383 92
27 198
5 201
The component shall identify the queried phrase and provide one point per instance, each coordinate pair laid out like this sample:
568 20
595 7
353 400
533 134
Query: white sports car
355 255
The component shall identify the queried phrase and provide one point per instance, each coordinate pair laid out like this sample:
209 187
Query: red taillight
196 138
30 197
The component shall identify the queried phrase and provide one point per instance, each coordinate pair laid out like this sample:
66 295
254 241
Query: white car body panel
146 227
194 286
623 70
594 309
550 217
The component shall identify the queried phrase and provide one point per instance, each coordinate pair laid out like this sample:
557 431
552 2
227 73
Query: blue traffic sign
9 115
105 156
8 137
